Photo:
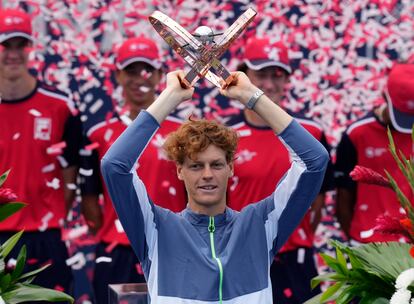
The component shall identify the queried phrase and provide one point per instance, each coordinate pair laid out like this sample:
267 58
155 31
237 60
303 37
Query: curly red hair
194 136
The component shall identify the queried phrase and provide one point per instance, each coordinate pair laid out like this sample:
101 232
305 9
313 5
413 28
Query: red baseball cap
262 53
139 49
400 96
15 23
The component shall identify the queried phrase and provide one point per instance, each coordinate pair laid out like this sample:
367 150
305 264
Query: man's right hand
175 87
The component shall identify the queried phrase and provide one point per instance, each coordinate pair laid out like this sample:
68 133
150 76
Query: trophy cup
200 50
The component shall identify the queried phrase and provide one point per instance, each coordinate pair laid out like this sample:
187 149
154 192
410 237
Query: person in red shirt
258 169
365 143
139 73
40 137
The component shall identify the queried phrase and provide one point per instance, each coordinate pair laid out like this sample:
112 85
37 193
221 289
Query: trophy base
131 293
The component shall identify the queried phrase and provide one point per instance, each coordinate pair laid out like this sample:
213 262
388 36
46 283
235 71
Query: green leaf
3 177
327 277
385 260
9 209
333 263
21 260
32 273
27 292
346 296
9 244
355 262
401 197
331 291
341 259
381 301
2 265
5 282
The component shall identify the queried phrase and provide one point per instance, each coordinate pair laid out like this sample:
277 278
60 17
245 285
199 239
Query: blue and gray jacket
194 258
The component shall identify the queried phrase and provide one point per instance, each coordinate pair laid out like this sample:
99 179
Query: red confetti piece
31 261
287 292
111 246
59 288
92 146
139 269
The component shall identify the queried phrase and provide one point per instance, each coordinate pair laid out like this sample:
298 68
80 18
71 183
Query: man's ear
179 172
231 165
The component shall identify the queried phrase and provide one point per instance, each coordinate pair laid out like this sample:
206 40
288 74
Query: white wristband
252 101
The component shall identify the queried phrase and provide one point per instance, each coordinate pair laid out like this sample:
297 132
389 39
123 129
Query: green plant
369 272
16 286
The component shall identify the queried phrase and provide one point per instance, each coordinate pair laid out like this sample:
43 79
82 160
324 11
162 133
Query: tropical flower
395 226
366 175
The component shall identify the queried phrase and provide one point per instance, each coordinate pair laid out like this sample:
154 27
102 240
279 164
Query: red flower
406 223
412 251
368 176
7 195
394 226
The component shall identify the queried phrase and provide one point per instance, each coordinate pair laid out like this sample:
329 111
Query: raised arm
284 209
129 196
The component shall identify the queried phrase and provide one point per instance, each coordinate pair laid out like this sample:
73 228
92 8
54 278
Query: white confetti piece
366 234
77 232
108 134
302 234
118 226
45 221
48 168
55 183
16 136
62 161
85 172
103 259
96 106
35 112
84 152
77 261
71 186
172 191
301 255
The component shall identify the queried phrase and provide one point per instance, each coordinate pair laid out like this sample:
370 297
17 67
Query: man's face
14 53
139 81
272 80
206 178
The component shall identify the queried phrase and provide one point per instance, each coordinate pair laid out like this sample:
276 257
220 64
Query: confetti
103 259
92 146
77 261
85 172
35 112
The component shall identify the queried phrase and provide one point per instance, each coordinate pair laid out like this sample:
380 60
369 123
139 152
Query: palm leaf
8 245
9 209
386 260
3 177
27 292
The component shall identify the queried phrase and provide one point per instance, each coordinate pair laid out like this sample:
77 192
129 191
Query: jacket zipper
211 229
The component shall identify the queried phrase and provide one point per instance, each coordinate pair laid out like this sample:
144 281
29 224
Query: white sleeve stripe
147 213
283 193
280 200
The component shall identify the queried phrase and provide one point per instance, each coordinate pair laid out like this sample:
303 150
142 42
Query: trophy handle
200 57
